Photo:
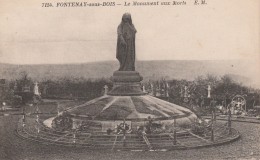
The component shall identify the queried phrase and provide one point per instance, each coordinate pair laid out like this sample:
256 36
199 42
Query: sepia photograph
129 79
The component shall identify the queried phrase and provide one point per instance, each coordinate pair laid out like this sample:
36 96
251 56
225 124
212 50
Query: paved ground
13 147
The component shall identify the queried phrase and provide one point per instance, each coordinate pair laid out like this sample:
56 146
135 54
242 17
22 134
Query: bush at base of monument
201 128
62 122
88 126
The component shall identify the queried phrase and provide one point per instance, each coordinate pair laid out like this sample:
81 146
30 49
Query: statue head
127 18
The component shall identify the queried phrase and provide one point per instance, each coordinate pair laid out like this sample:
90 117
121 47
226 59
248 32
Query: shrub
62 122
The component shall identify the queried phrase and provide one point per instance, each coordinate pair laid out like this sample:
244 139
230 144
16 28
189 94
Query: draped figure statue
125 52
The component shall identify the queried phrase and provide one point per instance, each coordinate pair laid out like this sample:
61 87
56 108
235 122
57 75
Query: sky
32 34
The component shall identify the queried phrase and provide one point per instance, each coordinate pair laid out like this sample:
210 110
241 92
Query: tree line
182 92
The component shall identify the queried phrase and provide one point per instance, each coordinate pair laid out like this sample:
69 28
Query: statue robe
125 52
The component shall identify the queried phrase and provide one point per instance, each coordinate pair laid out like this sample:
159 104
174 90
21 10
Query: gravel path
15 148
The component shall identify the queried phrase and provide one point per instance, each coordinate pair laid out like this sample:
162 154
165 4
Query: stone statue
125 52
126 81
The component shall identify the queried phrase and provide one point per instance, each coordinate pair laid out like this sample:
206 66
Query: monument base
126 83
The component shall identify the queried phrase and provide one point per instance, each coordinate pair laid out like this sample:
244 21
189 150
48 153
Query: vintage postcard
129 79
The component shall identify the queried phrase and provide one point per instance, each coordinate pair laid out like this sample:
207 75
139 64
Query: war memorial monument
126 117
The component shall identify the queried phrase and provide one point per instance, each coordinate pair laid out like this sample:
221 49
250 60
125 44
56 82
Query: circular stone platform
107 112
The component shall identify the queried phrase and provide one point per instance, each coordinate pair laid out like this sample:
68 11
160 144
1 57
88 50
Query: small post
215 115
209 89
229 121
167 91
38 129
185 92
160 89
212 126
124 134
144 89
74 137
3 107
37 125
153 90
213 108
23 125
175 134
36 89
37 108
23 110
181 93
37 118
58 108
106 90
23 121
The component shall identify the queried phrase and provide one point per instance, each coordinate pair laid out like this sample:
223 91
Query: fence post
229 121
37 108
38 129
124 134
106 90
38 124
23 120
37 118
175 135
58 108
74 137
212 126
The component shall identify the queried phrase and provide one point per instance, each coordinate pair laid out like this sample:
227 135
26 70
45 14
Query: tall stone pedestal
126 83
